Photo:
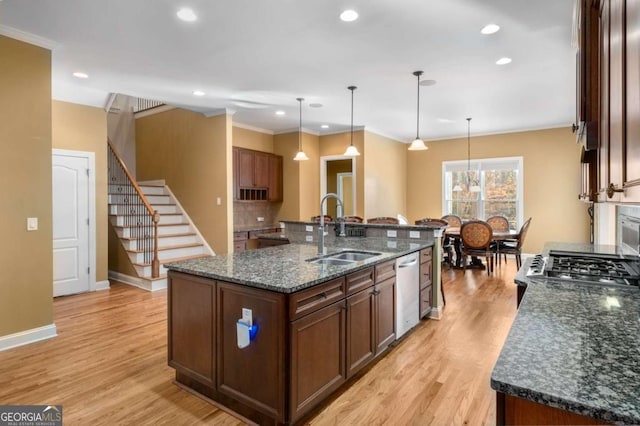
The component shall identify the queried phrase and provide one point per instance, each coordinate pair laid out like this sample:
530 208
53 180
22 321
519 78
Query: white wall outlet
219 201
308 228
260 219
392 244
282 225
392 233
247 316
32 224
414 234
309 238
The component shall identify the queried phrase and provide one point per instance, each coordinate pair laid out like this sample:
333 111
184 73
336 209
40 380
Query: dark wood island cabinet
308 343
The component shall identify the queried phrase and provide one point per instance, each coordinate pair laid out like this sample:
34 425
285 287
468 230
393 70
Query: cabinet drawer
426 255
239 246
359 280
425 274
240 236
314 298
425 301
385 270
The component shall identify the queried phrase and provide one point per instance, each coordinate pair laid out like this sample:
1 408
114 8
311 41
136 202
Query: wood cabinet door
191 326
631 172
261 170
425 301
603 143
361 345
385 314
236 171
616 94
245 168
317 358
275 178
254 375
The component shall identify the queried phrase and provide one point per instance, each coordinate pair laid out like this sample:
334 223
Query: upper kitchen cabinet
257 176
619 100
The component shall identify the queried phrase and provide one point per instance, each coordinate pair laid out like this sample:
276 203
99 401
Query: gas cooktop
587 268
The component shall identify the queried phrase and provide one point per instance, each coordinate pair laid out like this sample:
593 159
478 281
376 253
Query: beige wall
301 179
26 287
83 128
336 144
250 139
192 153
551 162
385 176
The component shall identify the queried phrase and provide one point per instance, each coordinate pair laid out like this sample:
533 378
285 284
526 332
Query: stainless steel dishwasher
407 293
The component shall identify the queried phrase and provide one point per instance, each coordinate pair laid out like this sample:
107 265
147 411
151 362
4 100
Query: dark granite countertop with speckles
371 225
284 268
570 347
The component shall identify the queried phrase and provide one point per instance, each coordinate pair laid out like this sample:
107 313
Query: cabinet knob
611 189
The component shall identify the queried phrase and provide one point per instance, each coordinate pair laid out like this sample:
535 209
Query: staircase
144 216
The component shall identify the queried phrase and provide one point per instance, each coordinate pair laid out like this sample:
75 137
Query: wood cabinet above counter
257 176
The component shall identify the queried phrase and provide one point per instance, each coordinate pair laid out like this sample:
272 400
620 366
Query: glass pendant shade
417 145
300 156
351 151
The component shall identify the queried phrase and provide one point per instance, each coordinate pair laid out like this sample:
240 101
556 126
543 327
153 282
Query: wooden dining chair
351 219
476 236
498 223
453 220
447 247
327 218
515 247
389 220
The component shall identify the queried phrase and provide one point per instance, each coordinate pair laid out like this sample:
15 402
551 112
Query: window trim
480 165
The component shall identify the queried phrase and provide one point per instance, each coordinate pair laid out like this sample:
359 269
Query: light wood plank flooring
108 365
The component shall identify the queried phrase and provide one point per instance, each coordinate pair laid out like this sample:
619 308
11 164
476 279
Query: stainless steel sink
331 261
344 257
353 255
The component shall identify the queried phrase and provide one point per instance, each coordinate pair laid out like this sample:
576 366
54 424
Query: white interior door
71 249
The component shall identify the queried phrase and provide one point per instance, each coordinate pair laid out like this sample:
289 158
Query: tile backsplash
246 214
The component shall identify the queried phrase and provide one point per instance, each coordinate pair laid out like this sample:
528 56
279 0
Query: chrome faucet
321 228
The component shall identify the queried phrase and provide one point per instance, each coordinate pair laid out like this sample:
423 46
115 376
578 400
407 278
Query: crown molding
252 128
337 132
304 130
28 37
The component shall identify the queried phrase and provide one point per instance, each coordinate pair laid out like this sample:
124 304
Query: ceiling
256 57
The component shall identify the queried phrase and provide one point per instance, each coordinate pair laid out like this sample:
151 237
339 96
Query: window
483 188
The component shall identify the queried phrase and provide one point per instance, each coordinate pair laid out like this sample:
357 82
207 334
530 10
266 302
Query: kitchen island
316 325
572 355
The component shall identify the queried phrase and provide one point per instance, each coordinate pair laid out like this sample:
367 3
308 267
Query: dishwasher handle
407 264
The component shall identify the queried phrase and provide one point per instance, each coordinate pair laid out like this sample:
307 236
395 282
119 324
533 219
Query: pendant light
300 156
351 151
470 186
418 144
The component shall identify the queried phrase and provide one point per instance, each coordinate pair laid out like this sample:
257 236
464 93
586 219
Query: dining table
453 232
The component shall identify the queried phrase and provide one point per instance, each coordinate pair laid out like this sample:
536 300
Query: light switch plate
219 201
32 224
309 238
260 219
414 234
392 233
309 228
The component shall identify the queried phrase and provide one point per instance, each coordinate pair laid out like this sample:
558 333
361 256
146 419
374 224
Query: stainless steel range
590 268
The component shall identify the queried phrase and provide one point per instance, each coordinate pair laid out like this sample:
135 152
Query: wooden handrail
155 263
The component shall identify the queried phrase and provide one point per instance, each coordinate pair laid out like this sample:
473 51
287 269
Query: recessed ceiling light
349 15
198 93
445 120
490 29
325 126
186 14
427 82
315 105
503 61
280 112
80 75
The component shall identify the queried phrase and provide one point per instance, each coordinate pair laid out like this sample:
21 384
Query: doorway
338 175
73 199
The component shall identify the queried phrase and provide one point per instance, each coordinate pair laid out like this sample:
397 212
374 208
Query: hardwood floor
108 364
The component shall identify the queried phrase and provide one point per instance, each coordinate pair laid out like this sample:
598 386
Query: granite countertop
371 225
284 268
573 348
248 228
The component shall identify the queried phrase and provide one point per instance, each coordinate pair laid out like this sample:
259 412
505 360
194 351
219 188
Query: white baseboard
28 336
102 285
144 284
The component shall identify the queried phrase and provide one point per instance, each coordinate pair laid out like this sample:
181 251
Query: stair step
164 241
161 208
174 247
148 189
145 268
163 229
137 256
165 219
